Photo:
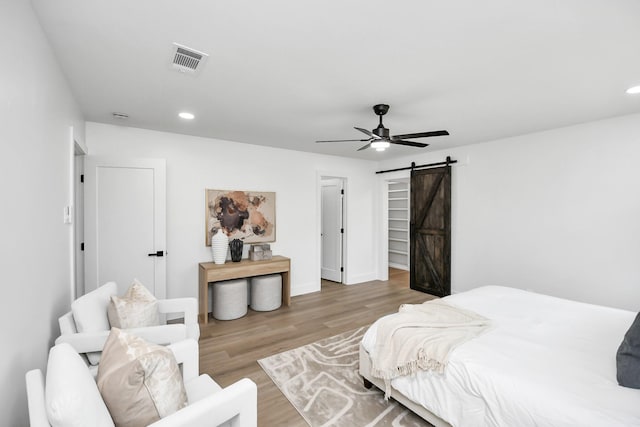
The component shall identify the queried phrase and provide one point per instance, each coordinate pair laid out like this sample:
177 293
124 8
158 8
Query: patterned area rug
322 382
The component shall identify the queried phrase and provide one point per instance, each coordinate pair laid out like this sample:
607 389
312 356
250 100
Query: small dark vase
235 246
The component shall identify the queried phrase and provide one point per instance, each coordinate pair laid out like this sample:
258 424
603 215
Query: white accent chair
76 401
89 314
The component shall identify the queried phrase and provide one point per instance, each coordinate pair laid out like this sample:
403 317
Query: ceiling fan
380 139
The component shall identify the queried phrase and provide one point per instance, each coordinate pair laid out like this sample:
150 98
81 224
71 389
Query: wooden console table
210 272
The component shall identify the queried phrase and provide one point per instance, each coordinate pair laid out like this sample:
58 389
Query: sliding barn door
431 231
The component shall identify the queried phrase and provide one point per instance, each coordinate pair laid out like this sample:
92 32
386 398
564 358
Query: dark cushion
628 357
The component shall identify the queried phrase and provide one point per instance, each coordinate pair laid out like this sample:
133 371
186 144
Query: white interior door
125 225
332 230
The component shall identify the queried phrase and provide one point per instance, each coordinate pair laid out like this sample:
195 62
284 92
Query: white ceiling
285 73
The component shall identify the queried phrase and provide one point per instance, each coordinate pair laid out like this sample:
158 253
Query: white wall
557 212
194 164
36 111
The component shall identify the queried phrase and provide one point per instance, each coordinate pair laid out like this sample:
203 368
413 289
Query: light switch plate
67 216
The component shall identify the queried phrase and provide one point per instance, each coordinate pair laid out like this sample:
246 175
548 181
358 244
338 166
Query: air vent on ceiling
186 59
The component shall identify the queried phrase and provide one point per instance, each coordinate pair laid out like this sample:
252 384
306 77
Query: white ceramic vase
219 247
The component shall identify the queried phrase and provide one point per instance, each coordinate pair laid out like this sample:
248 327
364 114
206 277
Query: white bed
545 361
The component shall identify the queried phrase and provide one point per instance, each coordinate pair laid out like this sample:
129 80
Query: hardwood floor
229 350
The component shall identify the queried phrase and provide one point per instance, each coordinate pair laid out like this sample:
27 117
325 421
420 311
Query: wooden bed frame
369 380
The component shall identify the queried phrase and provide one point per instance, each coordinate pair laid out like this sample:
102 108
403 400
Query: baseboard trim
354 280
305 288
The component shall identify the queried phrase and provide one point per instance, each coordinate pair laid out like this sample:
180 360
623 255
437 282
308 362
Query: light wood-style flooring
229 350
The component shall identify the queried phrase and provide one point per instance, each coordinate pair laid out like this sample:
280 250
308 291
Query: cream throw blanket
421 336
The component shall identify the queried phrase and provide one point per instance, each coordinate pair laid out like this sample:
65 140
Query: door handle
158 253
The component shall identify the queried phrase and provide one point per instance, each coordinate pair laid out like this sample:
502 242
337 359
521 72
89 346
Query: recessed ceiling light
633 90
186 116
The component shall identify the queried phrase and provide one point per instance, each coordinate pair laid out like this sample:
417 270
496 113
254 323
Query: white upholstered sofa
70 396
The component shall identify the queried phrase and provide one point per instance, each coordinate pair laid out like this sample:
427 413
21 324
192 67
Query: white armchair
76 401
86 327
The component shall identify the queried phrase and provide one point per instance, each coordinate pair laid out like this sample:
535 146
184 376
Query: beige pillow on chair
138 308
140 382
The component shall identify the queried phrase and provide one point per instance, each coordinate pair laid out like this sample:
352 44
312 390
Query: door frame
323 182
383 235
406 181
76 148
320 176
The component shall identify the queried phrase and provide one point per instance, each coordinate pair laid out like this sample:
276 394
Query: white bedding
545 362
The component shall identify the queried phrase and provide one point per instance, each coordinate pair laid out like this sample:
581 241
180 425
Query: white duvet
545 362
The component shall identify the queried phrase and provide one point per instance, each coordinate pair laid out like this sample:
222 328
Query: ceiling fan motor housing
381 131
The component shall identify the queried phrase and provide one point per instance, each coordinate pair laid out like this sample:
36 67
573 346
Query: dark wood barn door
430 240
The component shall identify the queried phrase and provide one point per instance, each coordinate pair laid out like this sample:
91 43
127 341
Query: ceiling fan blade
410 143
365 147
372 135
344 140
420 134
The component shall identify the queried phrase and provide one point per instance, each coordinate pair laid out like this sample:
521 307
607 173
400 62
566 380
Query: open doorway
332 208
74 215
398 210
397 194
78 212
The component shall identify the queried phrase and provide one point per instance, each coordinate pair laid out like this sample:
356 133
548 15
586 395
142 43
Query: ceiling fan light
380 144
380 149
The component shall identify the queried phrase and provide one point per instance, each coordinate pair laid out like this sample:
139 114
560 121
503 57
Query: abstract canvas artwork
246 215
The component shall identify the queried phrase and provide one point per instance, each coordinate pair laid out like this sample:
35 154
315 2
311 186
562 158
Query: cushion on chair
140 382
90 313
72 397
138 308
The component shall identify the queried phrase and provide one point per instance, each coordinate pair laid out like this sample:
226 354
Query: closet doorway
398 217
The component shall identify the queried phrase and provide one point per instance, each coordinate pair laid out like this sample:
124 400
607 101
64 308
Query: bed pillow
90 313
72 398
628 357
138 308
140 382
